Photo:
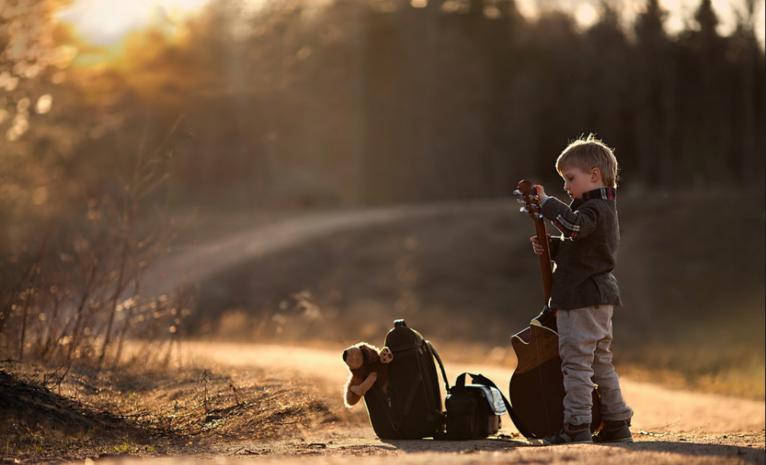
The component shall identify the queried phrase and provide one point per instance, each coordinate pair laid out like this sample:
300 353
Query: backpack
412 406
474 410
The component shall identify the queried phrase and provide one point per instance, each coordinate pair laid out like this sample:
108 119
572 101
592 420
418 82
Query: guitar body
537 385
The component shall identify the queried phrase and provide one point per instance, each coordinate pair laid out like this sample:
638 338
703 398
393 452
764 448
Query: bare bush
78 298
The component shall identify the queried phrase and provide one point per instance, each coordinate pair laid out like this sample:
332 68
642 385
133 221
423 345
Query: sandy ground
673 427
639 453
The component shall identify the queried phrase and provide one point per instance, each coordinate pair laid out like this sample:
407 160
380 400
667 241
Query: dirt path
674 427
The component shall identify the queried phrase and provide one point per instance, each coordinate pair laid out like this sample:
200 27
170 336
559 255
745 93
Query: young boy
585 291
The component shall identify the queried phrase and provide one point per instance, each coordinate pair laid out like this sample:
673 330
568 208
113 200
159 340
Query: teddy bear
368 365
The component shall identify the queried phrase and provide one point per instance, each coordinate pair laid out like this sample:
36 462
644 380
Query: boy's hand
540 191
537 248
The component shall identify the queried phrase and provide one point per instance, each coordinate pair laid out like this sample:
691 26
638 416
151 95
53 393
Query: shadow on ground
746 454
485 445
750 455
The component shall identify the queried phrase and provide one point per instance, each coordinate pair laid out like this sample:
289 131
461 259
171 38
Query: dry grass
148 412
727 369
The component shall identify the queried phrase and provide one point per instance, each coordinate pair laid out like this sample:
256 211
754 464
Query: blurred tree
748 117
27 54
386 101
509 10
553 101
502 41
707 21
654 102
476 7
603 69
707 140
31 65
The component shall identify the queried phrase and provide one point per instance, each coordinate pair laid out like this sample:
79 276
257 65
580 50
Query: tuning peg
517 193
523 210
521 201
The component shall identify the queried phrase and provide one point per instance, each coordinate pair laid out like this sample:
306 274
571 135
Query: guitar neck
526 194
546 268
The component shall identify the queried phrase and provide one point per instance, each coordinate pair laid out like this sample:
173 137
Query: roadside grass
149 411
716 367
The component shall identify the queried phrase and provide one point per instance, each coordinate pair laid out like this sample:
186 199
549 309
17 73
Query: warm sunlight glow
105 23
586 14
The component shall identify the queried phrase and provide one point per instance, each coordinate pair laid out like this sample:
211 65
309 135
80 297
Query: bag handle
441 365
483 380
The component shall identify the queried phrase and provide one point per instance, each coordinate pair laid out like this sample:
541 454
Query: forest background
293 107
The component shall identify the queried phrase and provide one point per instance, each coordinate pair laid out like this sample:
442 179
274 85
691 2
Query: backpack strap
441 365
441 432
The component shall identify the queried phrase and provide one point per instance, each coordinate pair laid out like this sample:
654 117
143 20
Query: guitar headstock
525 194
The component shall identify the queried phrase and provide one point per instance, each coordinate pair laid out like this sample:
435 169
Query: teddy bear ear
345 354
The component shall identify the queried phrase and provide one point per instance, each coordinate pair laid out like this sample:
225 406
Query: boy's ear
595 174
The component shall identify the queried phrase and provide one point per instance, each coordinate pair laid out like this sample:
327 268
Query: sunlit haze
105 23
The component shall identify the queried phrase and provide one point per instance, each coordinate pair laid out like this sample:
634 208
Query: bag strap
441 432
441 365
460 380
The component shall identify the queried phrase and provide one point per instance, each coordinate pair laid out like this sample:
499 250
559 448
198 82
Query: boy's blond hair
590 152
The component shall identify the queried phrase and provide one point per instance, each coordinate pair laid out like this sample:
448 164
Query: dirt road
674 427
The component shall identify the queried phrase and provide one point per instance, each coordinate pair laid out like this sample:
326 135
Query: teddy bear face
353 357
386 356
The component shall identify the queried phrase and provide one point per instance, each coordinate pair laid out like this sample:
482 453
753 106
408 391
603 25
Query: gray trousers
585 337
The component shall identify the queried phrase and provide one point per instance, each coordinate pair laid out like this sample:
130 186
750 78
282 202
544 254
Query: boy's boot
614 431
571 434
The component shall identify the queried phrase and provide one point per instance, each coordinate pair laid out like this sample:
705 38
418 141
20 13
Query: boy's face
577 181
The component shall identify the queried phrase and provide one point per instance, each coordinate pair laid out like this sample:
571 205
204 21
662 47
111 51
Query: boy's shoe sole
564 438
572 442
553 443
621 434
612 441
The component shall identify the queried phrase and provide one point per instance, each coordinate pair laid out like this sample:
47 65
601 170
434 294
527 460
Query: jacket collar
606 193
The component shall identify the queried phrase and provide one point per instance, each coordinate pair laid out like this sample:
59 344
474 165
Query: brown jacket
586 252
